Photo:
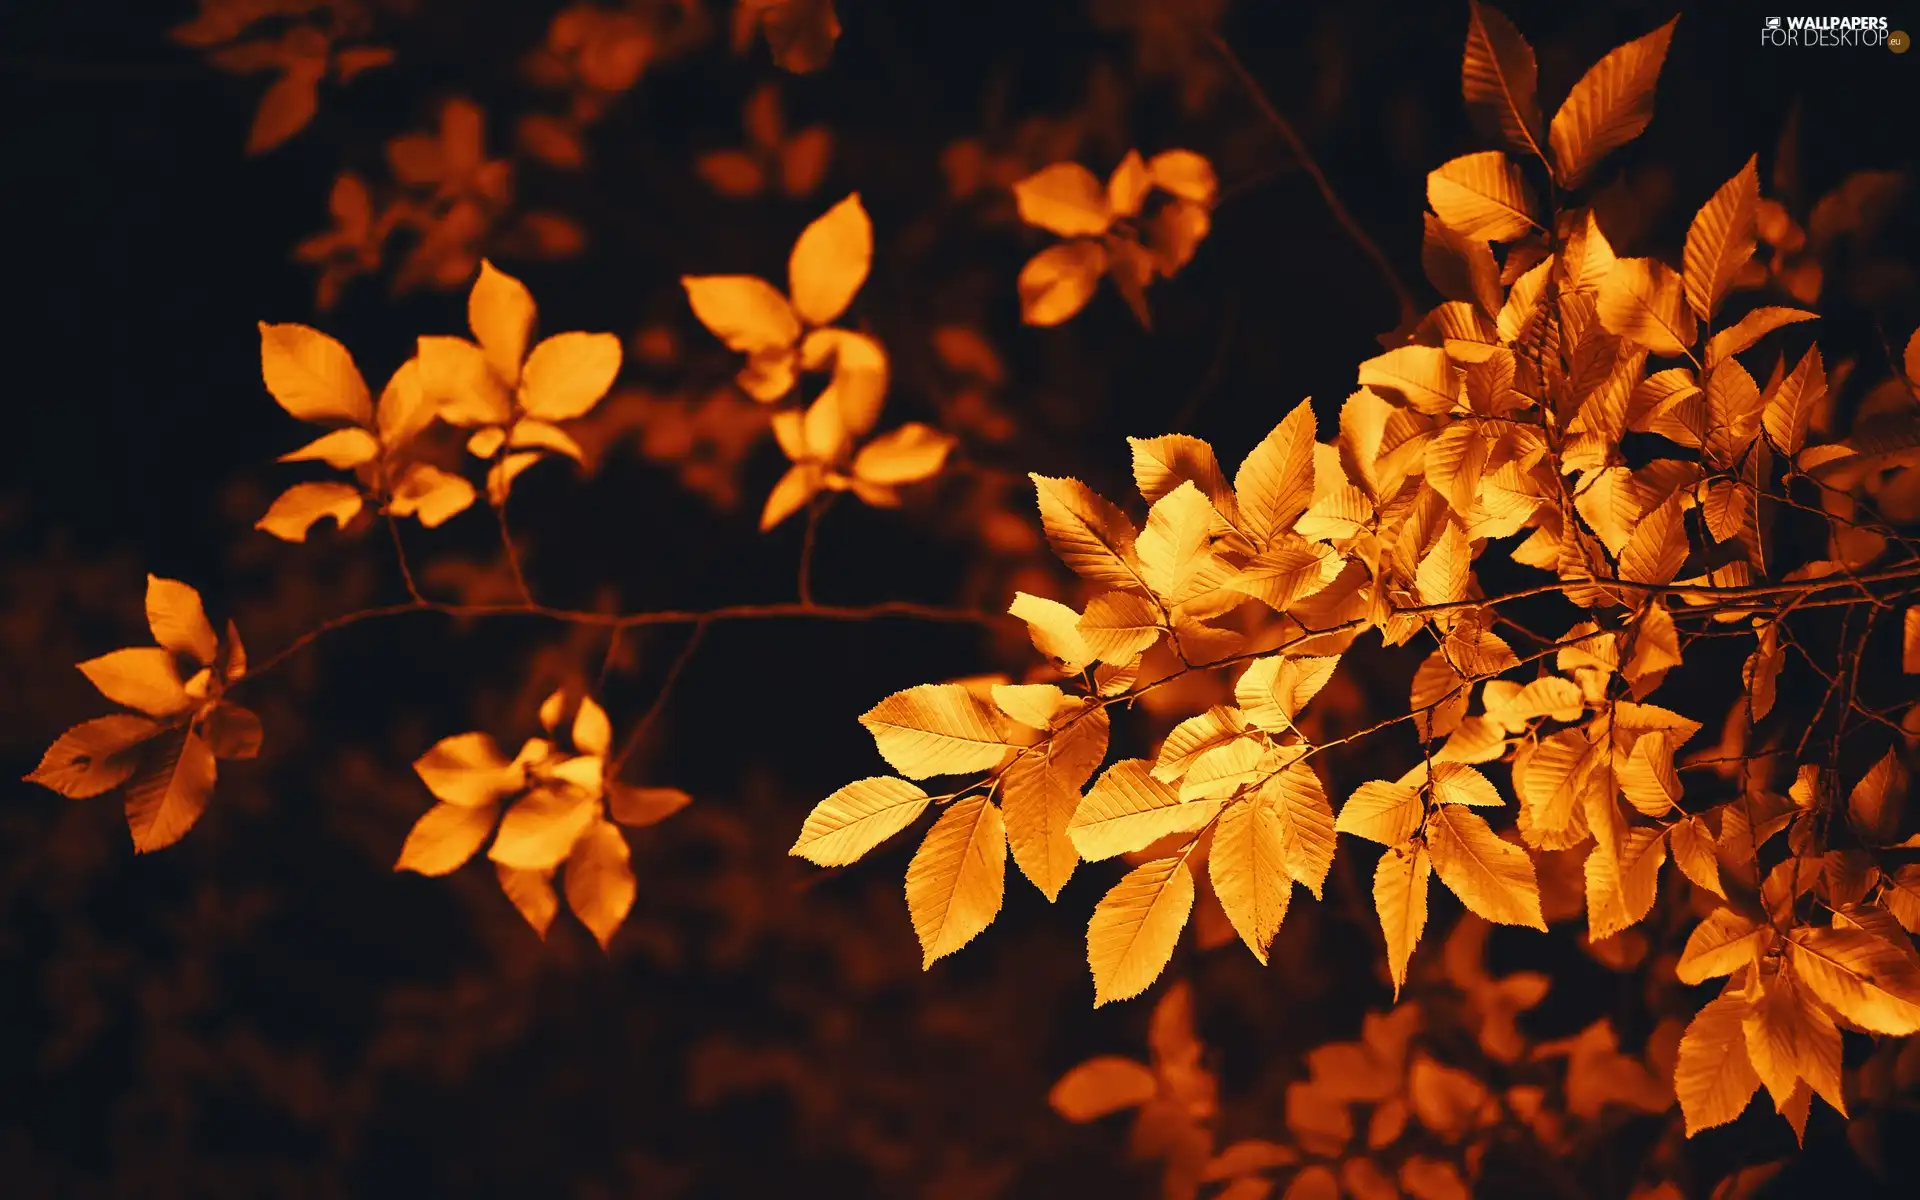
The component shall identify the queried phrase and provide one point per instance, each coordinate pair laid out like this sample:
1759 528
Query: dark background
266 1009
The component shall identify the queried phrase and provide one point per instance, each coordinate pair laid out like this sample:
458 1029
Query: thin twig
513 555
816 508
639 731
1408 309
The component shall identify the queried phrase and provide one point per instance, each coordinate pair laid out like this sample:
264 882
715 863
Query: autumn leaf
599 880
1248 868
1864 979
1492 877
745 312
1498 78
312 375
830 261
446 836
1400 896
94 756
169 790
1136 926
846 825
1714 1078
1609 106
1127 809
1789 407
935 729
1644 301
1064 198
1057 282
292 516
1100 1086
1039 794
1482 196
1720 240
142 677
956 878
1090 535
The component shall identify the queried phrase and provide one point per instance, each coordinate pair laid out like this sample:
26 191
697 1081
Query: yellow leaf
1482 196
1164 463
1789 409
1910 641
1055 630
1444 571
468 770
1064 198
94 756
1658 548
1100 1086
1692 847
431 494
906 455
1136 926
1057 282
1249 871
1608 107
1874 806
1714 1078
1646 775
170 790
1458 783
1644 301
1040 792
141 677
1498 78
1289 570
403 410
1621 891
1864 979
1388 813
1750 329
459 384
858 388
599 880
500 312
1789 1038
1119 625
1720 240
1400 896
830 261
1090 535
935 729
532 893
1185 174
1274 484
1128 808
1032 704
567 374
1273 690
1306 824
858 817
179 621
956 879
1173 547
1492 877
1721 945
1127 187
1194 737
637 807
294 513
343 448
743 311
800 484
1338 514
444 837
312 375
541 827
1423 375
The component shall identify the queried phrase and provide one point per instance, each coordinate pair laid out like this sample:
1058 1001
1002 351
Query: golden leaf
1127 809
468 770
541 827
1789 407
1275 481
532 894
1910 641
1338 514
431 494
1185 174
1306 823
1864 979
1692 846
1064 198
1497 79
1164 463
1247 865
459 384
1400 895
500 312
343 449
567 374
1057 282
1714 1079
1492 877
1659 547
1090 535
1644 301
1458 783
1136 926
1055 630
1272 691
1646 776
1790 1038
1100 1086
599 880
830 261
170 790
1288 571
745 312
1621 890
906 455
1032 704
141 677
1119 625
1388 813
403 410
935 729
1750 329
1039 794
1173 547
94 756
1608 107
956 878
638 807
1423 375
288 105
1720 240
444 837
1874 804
858 817
1761 669
1443 573
292 516
1194 737
312 375
1127 187
1482 196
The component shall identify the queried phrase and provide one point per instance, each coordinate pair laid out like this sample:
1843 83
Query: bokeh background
268 1010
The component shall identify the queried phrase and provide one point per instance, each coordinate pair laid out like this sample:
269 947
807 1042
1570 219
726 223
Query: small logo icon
1773 23
1898 41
